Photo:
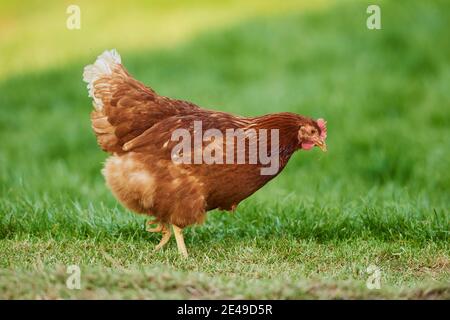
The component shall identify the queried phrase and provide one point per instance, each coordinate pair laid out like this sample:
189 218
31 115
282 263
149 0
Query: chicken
217 164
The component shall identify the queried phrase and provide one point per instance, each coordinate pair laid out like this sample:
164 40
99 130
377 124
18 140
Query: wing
164 135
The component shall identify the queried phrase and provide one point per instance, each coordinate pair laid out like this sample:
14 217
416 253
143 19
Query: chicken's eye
313 131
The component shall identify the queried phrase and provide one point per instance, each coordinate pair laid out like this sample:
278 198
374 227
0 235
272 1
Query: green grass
380 196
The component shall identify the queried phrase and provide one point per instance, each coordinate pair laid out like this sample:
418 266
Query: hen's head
313 133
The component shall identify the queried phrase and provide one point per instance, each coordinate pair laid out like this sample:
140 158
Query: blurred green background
382 188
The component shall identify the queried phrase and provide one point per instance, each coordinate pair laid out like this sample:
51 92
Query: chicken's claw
166 233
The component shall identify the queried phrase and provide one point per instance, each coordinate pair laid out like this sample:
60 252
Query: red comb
323 127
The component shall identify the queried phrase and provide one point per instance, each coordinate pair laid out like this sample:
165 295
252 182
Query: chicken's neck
287 125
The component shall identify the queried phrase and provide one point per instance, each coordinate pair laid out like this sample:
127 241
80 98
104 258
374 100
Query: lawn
379 197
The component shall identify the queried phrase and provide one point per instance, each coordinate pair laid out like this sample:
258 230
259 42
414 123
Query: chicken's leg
180 241
166 233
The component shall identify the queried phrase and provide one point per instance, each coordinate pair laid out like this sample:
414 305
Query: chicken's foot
166 233
180 240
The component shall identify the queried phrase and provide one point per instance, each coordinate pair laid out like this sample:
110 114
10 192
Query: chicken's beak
322 145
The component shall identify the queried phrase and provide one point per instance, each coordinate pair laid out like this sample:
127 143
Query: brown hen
144 172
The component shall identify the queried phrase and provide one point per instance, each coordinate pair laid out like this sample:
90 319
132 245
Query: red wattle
307 145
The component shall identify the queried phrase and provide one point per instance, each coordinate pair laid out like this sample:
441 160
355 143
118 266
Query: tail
102 67
123 107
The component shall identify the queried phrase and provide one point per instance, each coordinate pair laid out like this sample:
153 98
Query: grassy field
380 196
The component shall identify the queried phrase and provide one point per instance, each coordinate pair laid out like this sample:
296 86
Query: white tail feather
104 65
